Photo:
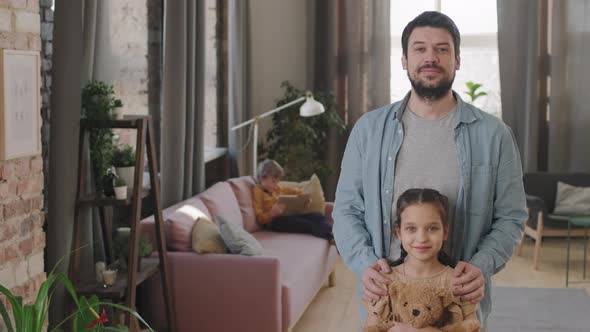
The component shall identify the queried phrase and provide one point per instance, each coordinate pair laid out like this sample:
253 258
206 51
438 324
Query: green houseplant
32 317
298 143
472 91
98 105
124 162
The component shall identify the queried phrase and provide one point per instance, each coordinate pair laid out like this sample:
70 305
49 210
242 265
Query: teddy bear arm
381 327
470 325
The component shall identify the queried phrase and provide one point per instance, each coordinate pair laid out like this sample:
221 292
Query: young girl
269 214
422 227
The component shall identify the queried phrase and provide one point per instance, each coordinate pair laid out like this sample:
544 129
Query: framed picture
20 108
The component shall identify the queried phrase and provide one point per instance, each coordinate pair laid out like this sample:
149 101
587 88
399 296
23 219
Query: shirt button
387 191
385 221
389 158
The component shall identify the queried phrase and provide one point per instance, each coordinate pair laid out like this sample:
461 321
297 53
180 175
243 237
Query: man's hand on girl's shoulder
371 276
469 283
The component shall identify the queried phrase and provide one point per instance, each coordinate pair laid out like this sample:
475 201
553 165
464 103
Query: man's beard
432 93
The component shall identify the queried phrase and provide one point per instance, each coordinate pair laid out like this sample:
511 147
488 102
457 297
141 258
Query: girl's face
269 183
421 231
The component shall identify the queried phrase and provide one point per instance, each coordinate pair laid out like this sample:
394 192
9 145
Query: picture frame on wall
20 104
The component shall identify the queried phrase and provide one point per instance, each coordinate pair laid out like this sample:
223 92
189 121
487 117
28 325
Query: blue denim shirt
490 212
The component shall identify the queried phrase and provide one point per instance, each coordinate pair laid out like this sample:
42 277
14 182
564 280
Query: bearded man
431 139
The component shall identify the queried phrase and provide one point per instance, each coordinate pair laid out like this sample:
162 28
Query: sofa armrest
535 205
220 292
328 208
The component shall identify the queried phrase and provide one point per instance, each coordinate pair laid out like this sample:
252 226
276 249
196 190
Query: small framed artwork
20 107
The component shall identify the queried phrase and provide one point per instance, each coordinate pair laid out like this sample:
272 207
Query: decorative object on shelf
20 124
98 105
472 91
121 247
120 188
109 277
32 317
124 163
99 268
299 143
309 109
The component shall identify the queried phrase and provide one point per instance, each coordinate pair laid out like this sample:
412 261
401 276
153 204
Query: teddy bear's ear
446 296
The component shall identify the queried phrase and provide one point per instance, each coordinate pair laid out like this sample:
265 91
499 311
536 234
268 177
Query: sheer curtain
559 145
353 47
182 153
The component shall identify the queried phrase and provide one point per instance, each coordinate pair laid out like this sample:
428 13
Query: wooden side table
581 221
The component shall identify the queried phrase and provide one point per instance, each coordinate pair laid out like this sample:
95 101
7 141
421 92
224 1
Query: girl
269 214
422 227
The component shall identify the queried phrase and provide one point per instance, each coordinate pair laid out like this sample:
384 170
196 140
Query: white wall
281 50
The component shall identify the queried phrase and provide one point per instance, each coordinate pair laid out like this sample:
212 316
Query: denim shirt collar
464 112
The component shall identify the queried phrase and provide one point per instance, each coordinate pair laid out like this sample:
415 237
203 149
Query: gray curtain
353 50
182 156
521 72
569 124
65 125
238 87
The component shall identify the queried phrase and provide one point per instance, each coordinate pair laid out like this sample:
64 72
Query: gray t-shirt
427 159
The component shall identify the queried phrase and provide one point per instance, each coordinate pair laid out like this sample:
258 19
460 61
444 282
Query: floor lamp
310 108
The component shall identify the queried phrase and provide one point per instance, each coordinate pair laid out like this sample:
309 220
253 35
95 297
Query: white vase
127 174
118 113
121 192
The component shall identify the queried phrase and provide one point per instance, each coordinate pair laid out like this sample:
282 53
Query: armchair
541 190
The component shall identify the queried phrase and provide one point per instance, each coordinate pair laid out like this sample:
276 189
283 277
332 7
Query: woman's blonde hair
269 167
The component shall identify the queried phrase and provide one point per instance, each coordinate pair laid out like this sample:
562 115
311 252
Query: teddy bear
421 305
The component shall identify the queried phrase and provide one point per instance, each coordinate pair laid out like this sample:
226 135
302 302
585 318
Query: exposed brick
33 5
22 167
20 271
27 226
18 3
7 189
8 232
26 246
48 15
2 257
40 240
46 3
7 277
5 20
10 252
37 203
36 264
46 31
36 164
17 208
6 171
34 42
27 22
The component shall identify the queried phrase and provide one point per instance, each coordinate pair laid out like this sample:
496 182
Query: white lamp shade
311 107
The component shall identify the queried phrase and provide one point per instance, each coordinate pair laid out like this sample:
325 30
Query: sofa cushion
305 263
242 188
314 188
206 238
220 200
179 224
237 239
572 200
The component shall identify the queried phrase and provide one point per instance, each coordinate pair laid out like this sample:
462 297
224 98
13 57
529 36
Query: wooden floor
336 309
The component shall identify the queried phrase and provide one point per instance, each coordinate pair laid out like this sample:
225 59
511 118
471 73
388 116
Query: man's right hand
371 276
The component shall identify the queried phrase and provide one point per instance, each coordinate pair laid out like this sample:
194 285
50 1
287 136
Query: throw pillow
206 238
179 226
237 240
314 188
572 200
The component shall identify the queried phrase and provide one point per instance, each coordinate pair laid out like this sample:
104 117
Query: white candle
99 268
109 277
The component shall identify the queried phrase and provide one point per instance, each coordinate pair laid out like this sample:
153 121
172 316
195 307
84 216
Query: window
477 22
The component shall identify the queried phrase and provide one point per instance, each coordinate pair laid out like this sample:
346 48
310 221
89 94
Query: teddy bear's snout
415 312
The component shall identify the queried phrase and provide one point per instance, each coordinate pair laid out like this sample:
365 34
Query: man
431 139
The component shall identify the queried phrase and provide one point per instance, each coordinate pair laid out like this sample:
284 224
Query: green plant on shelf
119 182
124 156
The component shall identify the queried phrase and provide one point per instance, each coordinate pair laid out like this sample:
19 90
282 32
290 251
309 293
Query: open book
294 204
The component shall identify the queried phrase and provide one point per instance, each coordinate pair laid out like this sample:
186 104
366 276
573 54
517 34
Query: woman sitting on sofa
270 213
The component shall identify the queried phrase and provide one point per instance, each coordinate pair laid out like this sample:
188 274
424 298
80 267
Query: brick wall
22 239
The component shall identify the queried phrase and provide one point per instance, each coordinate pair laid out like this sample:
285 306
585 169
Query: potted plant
121 247
298 143
98 105
33 317
120 188
124 162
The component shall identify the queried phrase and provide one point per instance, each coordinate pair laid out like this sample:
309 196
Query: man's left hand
469 281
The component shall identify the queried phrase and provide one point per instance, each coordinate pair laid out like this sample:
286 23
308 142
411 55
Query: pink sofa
225 292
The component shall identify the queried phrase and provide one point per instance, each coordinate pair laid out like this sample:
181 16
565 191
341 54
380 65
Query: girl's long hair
423 196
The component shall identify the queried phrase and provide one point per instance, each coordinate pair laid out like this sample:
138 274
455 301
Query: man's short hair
435 20
269 167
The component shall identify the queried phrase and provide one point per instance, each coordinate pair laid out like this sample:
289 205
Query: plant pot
127 174
118 113
121 192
